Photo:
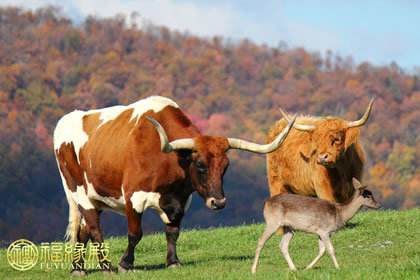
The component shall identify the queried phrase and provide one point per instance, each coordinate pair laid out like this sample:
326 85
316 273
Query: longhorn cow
144 155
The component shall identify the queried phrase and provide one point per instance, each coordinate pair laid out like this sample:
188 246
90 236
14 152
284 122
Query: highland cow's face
330 147
330 140
330 137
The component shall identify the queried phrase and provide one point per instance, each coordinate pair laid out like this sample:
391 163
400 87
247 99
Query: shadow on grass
237 258
162 266
151 267
351 225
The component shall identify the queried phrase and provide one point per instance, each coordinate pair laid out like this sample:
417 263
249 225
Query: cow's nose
215 204
322 158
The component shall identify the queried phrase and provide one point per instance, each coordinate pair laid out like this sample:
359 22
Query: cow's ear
184 157
184 153
352 134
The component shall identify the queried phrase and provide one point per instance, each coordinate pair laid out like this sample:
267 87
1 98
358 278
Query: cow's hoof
108 272
174 265
122 269
78 273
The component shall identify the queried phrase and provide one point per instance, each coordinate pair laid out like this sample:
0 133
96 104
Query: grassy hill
376 245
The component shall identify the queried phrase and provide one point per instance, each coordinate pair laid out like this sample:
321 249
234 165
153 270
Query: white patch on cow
81 198
110 113
142 200
155 103
188 204
70 127
117 205
70 130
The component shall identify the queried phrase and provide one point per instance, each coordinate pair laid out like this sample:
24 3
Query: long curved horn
302 127
364 118
165 145
240 144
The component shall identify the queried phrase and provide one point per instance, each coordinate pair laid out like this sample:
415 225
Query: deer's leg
320 254
284 247
330 249
268 232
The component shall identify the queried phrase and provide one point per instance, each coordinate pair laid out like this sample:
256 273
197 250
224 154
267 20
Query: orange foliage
49 66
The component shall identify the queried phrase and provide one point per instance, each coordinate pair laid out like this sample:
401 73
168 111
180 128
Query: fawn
312 215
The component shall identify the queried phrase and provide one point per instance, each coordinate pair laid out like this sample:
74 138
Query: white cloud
201 19
195 17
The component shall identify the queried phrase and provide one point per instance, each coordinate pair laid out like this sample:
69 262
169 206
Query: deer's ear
356 184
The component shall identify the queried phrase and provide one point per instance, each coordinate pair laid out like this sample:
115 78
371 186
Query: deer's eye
367 194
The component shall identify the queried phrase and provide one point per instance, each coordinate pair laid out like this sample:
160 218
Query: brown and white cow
319 157
144 155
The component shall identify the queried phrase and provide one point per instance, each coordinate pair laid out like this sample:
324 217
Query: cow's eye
336 141
332 139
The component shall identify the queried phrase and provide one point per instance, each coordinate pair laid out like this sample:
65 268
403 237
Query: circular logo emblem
22 254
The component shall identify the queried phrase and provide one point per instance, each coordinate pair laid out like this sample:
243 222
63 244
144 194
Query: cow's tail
74 221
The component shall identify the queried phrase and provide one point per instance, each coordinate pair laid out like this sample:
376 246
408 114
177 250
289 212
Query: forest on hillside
50 66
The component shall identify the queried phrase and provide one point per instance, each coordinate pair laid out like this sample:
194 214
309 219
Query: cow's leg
83 237
91 217
135 234
324 190
172 234
276 185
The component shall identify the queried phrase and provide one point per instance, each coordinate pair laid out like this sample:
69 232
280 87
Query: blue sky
376 31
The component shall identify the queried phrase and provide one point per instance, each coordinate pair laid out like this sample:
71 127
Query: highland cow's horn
364 118
298 126
165 145
240 144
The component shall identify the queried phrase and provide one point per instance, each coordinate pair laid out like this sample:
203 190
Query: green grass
376 245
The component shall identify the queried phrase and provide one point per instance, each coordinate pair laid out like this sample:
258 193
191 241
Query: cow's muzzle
325 160
215 204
